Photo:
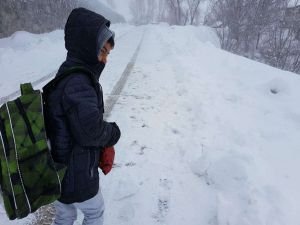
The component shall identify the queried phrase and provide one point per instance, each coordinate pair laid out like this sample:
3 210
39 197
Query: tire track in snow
115 93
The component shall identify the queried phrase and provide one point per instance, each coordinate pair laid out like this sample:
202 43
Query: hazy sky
121 6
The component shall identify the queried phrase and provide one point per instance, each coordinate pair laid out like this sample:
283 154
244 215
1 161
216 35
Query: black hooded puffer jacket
74 112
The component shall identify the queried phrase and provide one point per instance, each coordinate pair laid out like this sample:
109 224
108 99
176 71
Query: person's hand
106 161
115 135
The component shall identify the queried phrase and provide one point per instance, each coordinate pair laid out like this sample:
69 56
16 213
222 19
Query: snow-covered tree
174 12
33 15
258 29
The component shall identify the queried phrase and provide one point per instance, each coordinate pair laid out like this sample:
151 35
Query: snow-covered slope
208 137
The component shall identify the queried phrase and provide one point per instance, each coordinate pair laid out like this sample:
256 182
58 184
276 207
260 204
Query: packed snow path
208 137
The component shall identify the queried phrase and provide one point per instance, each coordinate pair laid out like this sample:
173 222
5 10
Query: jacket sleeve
84 116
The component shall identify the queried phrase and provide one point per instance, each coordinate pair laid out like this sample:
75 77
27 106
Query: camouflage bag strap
26 89
76 69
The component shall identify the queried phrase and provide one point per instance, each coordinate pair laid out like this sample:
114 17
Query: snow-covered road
204 139
203 136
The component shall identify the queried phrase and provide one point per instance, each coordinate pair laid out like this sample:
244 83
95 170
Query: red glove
107 157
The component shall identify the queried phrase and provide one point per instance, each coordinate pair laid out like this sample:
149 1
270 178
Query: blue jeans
92 209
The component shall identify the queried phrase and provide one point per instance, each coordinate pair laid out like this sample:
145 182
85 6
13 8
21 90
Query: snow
208 137
23 51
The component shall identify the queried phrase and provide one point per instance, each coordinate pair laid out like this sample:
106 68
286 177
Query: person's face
104 52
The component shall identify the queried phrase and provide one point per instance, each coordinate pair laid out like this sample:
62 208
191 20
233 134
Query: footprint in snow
126 213
144 125
130 164
142 152
163 200
174 131
135 142
117 165
165 183
129 187
163 209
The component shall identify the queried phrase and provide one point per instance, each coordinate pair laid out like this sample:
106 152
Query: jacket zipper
94 160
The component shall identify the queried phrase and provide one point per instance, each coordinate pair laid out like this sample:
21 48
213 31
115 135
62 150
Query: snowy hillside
208 137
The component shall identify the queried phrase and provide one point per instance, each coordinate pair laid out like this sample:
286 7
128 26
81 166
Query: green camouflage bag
29 178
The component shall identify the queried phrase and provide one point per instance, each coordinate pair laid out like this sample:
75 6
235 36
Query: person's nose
103 59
